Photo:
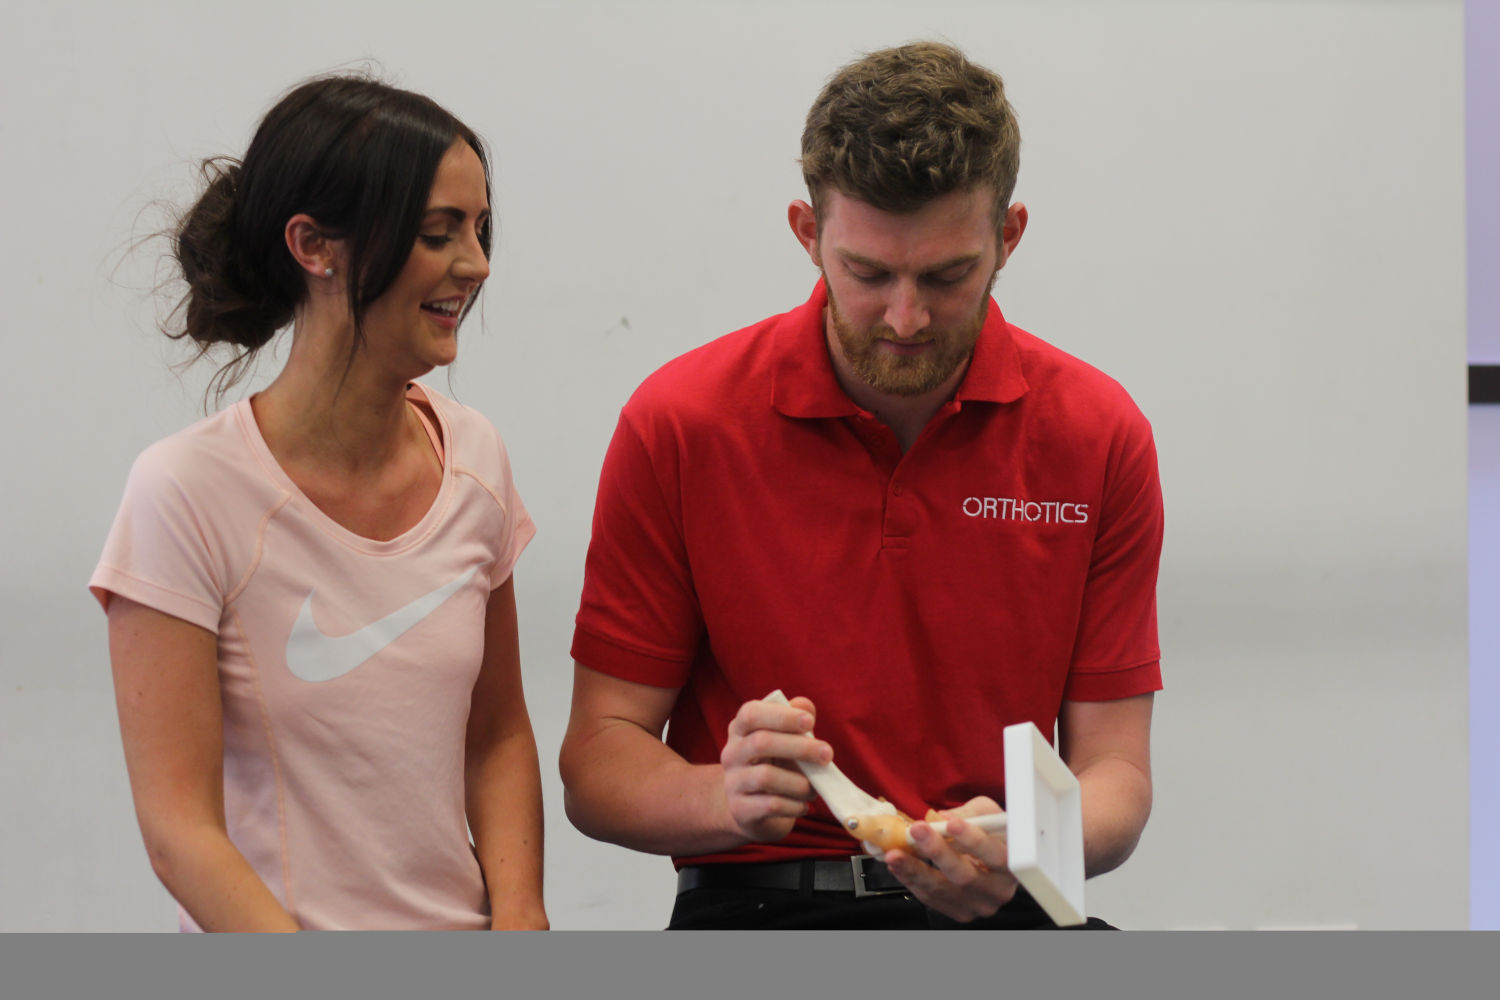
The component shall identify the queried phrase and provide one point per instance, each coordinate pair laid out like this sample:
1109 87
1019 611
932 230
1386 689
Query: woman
312 619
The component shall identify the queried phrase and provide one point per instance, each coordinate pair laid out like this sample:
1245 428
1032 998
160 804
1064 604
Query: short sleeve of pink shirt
163 551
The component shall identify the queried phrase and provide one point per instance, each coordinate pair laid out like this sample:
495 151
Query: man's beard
906 375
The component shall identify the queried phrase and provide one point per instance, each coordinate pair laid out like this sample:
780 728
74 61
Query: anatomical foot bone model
1043 821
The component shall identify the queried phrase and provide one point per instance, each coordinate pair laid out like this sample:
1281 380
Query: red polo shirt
756 529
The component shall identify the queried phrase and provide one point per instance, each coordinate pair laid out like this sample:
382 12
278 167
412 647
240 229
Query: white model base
1044 838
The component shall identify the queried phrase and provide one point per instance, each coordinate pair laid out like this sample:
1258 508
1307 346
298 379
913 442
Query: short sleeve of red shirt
639 618
1117 654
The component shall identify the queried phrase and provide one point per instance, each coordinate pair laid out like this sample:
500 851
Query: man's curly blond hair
900 127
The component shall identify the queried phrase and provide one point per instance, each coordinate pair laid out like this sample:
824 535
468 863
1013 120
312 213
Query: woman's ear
312 249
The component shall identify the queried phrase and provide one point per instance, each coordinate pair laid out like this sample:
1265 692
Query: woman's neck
333 409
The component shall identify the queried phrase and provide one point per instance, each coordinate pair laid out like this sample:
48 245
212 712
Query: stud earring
327 272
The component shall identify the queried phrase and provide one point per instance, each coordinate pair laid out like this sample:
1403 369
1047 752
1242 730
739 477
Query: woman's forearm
503 789
207 874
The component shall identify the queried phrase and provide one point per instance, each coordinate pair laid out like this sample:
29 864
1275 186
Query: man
923 522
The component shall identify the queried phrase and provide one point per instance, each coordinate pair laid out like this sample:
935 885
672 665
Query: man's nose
906 314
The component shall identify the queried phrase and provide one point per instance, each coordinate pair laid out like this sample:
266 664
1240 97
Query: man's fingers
755 715
963 840
769 779
967 877
913 872
767 744
763 797
956 867
973 893
928 884
977 806
764 786
764 806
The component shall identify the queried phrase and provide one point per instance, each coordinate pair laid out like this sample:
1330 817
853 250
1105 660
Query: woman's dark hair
356 155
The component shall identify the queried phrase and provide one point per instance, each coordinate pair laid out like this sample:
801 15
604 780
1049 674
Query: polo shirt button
896 489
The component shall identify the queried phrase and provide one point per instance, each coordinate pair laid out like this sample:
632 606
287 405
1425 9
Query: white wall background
1249 212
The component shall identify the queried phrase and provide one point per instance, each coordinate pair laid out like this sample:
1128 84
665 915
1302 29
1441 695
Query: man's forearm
1116 798
624 786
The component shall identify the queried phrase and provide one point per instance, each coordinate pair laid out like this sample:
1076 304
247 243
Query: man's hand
968 878
764 789
624 785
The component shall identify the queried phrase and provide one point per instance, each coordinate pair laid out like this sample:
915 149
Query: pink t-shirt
346 665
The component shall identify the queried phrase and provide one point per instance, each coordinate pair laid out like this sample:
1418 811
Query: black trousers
791 909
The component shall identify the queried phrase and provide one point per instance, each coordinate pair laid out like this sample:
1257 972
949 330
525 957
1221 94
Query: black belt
861 875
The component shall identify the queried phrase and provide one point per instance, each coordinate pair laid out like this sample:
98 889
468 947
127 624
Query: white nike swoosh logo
313 656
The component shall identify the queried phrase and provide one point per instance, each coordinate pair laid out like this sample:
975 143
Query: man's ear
804 222
312 249
1011 230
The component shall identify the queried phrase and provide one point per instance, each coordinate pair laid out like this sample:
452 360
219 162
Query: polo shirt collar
994 374
804 384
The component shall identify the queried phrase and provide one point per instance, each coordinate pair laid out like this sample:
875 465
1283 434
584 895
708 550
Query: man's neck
904 415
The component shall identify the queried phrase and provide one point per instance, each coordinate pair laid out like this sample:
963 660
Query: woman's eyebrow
456 214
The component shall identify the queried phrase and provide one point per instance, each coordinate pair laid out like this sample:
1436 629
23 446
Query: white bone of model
1043 827
845 799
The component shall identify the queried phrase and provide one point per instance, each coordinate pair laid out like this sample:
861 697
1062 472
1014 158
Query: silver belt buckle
857 862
